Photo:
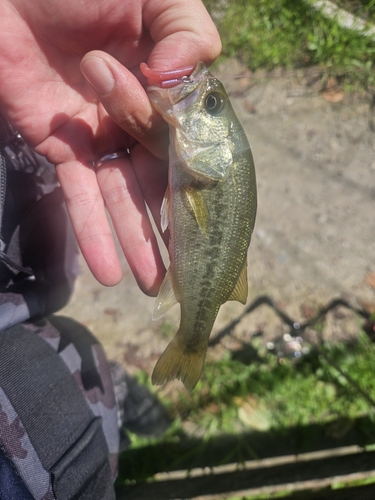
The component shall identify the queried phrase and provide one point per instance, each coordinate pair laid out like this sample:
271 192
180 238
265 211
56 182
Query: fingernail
98 74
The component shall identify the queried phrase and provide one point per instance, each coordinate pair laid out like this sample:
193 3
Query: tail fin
181 362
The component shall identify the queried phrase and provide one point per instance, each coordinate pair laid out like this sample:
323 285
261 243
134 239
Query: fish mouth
169 101
189 84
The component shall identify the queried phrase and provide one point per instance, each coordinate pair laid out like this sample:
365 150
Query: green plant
270 33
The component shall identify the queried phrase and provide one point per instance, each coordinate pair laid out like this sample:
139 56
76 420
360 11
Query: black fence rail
295 327
311 474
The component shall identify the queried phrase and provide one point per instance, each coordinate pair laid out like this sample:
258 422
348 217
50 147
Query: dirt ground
314 236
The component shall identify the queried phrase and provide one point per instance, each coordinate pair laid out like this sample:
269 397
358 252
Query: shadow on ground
236 449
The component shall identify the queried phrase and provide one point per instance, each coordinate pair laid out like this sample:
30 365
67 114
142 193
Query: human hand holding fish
45 96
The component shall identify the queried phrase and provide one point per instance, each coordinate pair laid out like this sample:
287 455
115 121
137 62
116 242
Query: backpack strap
10 254
66 439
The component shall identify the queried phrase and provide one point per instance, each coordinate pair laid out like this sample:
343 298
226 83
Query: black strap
3 186
67 437
13 266
10 256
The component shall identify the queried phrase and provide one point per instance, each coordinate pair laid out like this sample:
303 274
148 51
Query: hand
45 96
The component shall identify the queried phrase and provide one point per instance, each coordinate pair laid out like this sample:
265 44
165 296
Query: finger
184 34
126 101
125 203
87 212
152 177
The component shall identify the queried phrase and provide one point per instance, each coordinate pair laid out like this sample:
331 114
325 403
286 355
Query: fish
209 208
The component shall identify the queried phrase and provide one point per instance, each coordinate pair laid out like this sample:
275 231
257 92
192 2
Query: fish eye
214 103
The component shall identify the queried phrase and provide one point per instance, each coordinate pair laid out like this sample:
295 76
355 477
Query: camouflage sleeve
38 250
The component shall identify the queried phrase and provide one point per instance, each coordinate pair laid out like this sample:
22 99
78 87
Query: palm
45 96
41 79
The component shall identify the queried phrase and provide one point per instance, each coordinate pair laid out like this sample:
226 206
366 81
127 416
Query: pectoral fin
199 207
241 289
166 297
164 211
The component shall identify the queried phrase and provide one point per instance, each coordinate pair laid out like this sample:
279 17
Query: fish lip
189 85
175 94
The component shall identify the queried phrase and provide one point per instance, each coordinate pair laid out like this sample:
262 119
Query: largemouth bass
210 208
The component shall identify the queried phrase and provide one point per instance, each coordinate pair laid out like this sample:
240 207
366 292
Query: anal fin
240 291
166 297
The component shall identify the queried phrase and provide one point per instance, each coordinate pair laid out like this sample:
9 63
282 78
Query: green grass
289 33
266 394
250 398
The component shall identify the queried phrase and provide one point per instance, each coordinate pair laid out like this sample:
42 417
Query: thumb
126 101
184 34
